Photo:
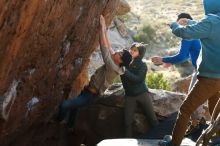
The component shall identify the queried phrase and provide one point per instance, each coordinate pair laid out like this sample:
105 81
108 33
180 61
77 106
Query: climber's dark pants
204 89
131 103
68 108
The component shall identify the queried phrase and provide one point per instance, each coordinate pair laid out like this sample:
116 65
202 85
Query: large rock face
44 53
124 8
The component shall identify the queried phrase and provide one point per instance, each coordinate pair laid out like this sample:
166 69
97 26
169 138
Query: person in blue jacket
207 86
189 49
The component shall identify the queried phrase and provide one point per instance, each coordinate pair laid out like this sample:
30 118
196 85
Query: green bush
147 35
157 81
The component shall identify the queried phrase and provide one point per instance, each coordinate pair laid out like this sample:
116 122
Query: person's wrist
103 28
106 29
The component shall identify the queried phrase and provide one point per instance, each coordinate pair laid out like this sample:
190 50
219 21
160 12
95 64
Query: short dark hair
184 15
141 48
126 58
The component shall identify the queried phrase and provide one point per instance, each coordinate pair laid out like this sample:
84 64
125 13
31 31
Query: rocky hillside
154 15
148 21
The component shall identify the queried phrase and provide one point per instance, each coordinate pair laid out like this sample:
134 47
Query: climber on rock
114 63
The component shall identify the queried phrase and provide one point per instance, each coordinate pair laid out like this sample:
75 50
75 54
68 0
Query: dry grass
157 14
165 10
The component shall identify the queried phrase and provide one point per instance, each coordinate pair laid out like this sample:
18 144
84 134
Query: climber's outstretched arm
103 37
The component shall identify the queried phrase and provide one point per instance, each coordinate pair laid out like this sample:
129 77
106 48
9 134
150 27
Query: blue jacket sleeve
182 56
198 30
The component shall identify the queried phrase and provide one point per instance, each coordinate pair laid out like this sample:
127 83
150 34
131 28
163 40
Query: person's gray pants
145 102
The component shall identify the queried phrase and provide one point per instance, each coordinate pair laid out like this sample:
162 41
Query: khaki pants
204 89
130 105
199 112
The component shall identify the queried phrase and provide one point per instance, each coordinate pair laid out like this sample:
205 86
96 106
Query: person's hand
102 23
157 60
183 21
167 65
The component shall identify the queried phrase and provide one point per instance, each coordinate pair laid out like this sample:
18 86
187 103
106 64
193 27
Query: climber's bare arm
109 43
103 37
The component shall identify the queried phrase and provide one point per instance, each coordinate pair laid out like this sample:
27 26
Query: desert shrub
157 81
146 34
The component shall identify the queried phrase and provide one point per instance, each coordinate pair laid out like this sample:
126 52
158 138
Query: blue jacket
208 31
189 49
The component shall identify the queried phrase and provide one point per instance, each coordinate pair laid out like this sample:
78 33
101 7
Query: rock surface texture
45 48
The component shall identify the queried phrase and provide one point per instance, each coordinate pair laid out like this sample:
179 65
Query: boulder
102 120
123 8
166 102
119 36
45 48
105 118
121 28
182 85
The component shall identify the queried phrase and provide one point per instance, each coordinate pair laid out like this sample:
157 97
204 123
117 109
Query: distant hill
152 16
